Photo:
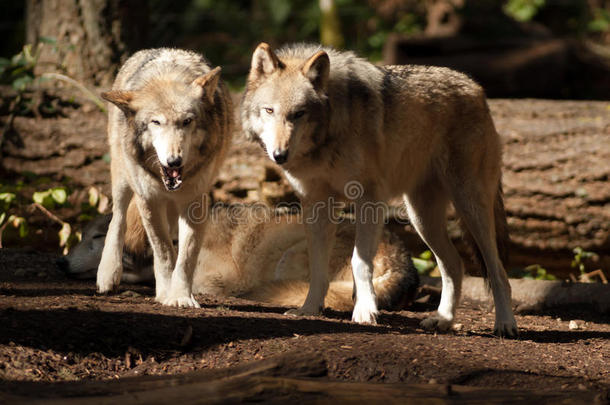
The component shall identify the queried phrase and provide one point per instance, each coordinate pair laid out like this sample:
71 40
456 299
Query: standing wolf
169 129
331 119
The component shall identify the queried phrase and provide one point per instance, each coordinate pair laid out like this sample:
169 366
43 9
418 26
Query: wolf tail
395 288
136 242
502 236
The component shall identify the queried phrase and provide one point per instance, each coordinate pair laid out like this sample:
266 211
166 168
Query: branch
49 213
88 93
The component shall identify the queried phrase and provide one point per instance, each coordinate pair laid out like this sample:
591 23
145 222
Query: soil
57 329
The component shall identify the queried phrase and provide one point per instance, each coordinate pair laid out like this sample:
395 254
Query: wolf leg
426 207
110 269
154 220
190 237
475 207
368 231
320 239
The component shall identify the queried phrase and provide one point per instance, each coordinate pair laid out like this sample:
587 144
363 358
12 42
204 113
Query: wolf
253 252
331 120
170 123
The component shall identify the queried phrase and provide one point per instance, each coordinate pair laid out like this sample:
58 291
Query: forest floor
56 329
56 332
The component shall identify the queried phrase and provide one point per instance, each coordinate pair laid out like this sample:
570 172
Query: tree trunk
330 25
93 36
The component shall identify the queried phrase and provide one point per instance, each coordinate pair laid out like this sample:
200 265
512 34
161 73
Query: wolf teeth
172 178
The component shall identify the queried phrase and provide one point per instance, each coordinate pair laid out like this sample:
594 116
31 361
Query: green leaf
59 195
600 22
523 10
23 228
39 196
44 198
94 196
2 217
7 199
64 234
426 255
18 60
19 223
21 83
423 266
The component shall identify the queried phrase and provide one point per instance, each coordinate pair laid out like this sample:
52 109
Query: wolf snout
172 173
280 156
174 161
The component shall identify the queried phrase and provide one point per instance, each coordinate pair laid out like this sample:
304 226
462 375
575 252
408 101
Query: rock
575 325
457 327
130 293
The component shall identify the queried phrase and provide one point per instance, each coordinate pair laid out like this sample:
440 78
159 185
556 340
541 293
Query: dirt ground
57 329
54 329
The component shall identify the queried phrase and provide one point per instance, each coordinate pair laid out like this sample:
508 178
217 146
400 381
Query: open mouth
172 177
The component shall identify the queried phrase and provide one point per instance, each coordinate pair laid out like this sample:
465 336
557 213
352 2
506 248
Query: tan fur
268 262
169 128
424 133
259 257
135 239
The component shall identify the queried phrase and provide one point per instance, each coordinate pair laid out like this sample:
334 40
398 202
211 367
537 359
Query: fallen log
286 378
537 295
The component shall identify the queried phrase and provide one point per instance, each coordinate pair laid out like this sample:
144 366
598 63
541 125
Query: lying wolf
254 253
169 128
342 128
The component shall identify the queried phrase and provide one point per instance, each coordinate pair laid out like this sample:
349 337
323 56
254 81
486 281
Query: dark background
516 48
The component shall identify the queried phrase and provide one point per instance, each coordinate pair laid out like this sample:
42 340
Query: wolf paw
436 323
506 329
303 311
365 312
108 281
182 302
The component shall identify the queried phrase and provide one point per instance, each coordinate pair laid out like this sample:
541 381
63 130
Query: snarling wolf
331 120
169 128
254 253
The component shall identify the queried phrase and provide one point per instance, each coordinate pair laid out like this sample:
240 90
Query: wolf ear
264 61
121 99
317 69
208 83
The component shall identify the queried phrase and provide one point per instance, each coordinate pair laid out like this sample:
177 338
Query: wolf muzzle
172 173
280 156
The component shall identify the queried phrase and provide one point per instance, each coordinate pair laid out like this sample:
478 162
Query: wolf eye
298 114
269 110
156 122
187 121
